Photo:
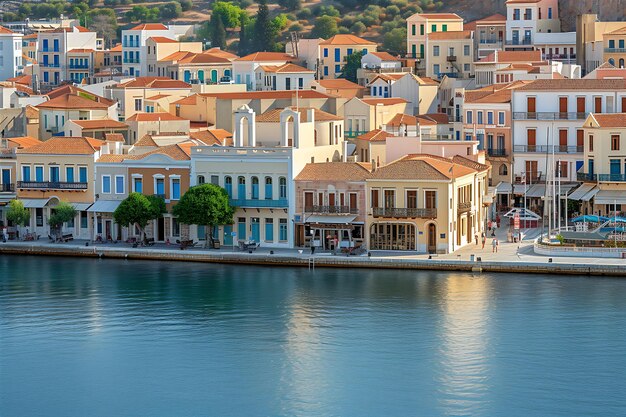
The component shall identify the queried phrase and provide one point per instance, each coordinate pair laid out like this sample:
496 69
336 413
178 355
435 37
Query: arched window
187 76
282 182
201 179
228 186
611 61
201 76
241 188
621 63
255 188
503 170
268 188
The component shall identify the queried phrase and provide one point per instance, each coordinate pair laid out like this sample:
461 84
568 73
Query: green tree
17 213
207 205
104 25
353 63
395 41
186 5
263 33
244 41
230 13
291 5
62 213
325 27
170 10
138 210
218 36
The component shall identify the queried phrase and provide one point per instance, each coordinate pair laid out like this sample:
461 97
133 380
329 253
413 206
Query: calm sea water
83 337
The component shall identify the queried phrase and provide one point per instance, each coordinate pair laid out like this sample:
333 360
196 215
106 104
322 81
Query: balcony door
562 105
597 107
563 140
531 171
308 202
6 180
580 105
432 238
531 104
54 174
531 140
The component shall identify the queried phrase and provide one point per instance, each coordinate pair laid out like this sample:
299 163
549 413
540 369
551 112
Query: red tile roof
153 117
150 26
513 56
153 82
613 120
376 135
270 95
335 171
344 39
267 56
60 145
384 101
285 68
71 101
338 84
4 30
460 34
100 124
273 116
163 39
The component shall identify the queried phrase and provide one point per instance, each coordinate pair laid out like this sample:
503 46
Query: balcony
50 65
451 58
330 210
549 116
615 50
52 185
519 42
7 188
453 119
257 203
548 149
464 207
491 41
497 152
350 134
79 66
402 213
601 177
448 74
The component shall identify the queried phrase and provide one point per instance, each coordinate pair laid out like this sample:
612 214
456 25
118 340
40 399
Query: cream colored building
615 47
159 47
420 25
283 77
450 53
335 51
426 204
141 124
590 33
367 114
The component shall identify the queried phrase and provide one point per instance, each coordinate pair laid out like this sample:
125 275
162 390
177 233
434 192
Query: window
25 173
466 50
215 179
479 117
255 188
422 30
444 28
615 142
228 186
337 69
282 182
503 170
137 104
411 199
268 188
590 143
138 184
516 14
39 217
269 230
39 173
54 174
436 69
413 31
375 202
489 117
69 174
433 28
159 186
389 198
561 169
119 184
468 117
325 52
82 174
175 227
282 230
84 220
501 118
528 14
435 50
200 180
430 199
106 184
326 71
175 192
337 55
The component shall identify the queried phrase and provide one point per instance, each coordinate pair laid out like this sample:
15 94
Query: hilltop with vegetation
232 24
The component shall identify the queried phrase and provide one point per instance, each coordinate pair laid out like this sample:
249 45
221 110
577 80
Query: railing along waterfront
422 213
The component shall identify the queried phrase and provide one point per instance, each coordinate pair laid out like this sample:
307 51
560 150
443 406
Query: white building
283 77
10 53
419 92
526 18
380 60
134 51
560 46
244 68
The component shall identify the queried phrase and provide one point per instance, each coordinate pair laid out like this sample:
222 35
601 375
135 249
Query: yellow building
367 114
615 47
450 53
421 24
426 203
335 51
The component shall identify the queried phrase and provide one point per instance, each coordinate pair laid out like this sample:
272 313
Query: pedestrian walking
494 226
484 239
476 238
494 245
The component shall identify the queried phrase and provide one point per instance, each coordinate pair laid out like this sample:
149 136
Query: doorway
107 229
432 238
161 229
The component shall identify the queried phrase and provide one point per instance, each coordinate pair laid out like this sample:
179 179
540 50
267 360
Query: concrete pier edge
304 261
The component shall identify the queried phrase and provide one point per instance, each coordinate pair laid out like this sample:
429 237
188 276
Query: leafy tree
104 25
171 10
230 13
205 204
358 28
325 27
291 5
353 63
138 210
218 36
263 33
63 213
17 213
244 41
186 5
395 41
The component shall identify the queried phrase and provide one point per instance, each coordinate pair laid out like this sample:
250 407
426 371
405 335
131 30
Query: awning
81 206
581 191
610 197
104 206
35 202
536 191
590 194
565 189
504 188
330 219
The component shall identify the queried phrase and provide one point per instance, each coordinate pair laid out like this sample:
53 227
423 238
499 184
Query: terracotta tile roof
162 39
376 135
31 112
19 87
71 89
425 80
187 101
267 56
491 19
221 53
60 145
273 116
100 124
71 101
116 48
384 56
22 79
153 82
440 16
459 34
606 65
614 120
270 95
344 39
80 51
150 26
476 166
388 77
212 137
75 28
114 137
31 36
384 101
513 56
404 119
579 84
157 97
200 125
176 151
422 168
111 158
285 68
339 84
470 26
439 118
24 141
146 140
334 171
203 58
153 117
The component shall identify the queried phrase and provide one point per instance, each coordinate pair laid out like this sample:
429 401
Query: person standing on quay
484 239
494 245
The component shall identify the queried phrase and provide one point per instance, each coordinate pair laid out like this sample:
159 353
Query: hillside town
500 123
